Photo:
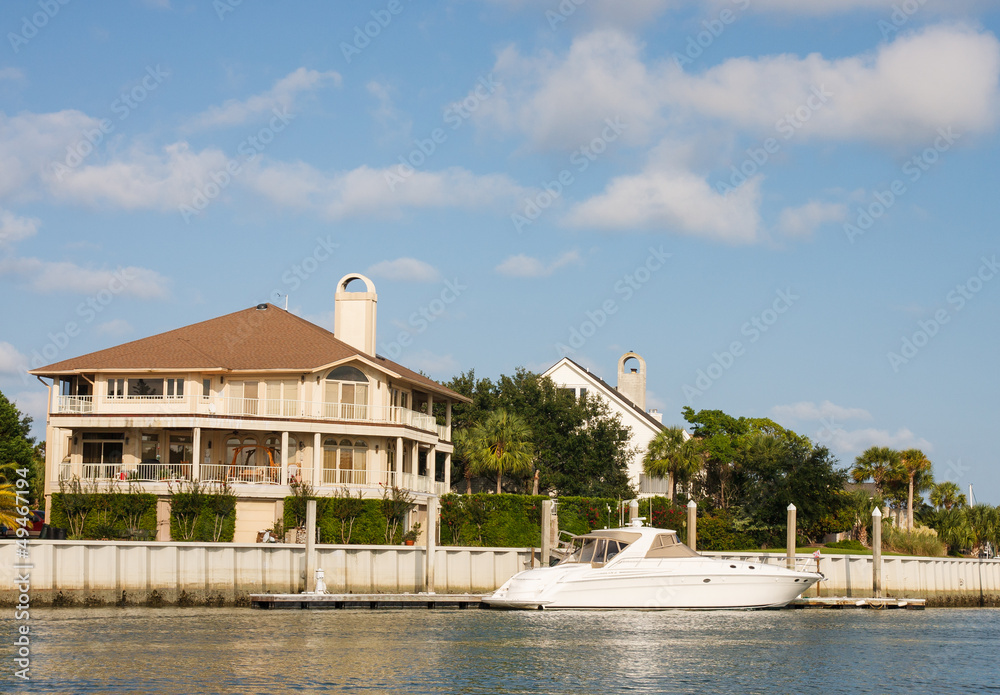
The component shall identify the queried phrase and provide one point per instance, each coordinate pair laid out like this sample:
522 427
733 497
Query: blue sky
788 208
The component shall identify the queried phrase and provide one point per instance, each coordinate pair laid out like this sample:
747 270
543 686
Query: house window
181 448
206 388
102 454
175 388
116 388
583 392
344 462
243 395
150 452
145 388
346 394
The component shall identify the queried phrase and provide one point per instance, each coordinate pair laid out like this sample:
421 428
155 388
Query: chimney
632 384
354 314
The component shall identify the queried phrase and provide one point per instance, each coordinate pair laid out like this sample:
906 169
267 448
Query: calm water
420 651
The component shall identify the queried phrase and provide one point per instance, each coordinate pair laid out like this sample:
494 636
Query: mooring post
692 524
310 542
431 542
877 552
790 539
546 531
633 511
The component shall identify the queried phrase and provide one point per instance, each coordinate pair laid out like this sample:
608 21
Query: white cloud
14 228
673 201
438 366
803 221
10 73
62 276
366 190
281 96
941 77
115 327
141 179
807 410
855 441
824 7
394 122
405 269
35 404
11 360
523 266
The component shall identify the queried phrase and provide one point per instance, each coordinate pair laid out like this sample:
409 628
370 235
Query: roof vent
261 307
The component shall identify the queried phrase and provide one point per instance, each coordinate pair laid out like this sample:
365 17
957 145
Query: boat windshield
595 551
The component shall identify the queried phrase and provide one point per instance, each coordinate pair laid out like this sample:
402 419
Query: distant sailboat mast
972 497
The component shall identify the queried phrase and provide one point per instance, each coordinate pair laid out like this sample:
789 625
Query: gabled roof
611 392
260 339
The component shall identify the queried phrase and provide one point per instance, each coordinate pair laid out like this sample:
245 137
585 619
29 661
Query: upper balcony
265 408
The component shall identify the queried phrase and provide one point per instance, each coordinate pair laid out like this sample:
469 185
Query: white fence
67 572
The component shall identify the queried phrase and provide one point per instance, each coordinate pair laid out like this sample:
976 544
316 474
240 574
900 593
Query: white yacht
640 567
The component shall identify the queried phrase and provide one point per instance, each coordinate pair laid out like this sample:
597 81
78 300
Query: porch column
317 459
447 418
447 473
284 458
399 462
432 468
195 453
415 460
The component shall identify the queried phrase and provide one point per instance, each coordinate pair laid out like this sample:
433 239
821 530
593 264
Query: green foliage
664 514
580 447
19 451
91 515
499 445
495 521
361 521
345 509
202 513
719 532
847 545
583 514
919 542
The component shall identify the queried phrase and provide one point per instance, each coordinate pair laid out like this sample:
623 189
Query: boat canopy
667 545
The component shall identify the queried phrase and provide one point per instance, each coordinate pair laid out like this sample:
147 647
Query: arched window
345 463
246 456
346 394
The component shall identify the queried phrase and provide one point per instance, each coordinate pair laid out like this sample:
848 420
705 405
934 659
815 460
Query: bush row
104 516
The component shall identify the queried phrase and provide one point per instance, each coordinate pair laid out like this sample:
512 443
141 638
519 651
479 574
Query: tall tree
878 463
501 444
17 448
947 495
672 455
914 463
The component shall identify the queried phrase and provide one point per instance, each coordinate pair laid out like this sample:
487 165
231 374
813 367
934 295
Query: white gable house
628 400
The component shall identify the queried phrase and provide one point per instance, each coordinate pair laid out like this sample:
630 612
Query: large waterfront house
627 400
259 398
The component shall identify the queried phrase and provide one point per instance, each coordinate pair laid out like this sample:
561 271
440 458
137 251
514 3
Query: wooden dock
368 601
465 601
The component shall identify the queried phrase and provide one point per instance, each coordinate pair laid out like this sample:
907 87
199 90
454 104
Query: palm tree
878 463
672 455
461 439
913 462
500 444
947 494
8 505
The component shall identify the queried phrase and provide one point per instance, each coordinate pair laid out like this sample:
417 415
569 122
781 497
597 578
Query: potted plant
410 537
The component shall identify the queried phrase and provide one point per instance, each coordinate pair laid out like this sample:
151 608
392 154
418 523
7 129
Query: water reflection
420 651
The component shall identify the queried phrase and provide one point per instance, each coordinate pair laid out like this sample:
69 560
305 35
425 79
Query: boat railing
802 563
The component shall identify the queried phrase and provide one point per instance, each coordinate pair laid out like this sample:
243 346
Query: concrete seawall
152 574
942 581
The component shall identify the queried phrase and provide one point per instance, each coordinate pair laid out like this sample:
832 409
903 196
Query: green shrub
917 542
98 516
487 520
848 545
202 513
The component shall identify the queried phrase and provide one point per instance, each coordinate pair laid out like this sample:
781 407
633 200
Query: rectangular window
150 448
175 388
116 388
583 392
181 448
145 388
206 388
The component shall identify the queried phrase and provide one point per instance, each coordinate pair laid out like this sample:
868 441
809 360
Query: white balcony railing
251 475
252 407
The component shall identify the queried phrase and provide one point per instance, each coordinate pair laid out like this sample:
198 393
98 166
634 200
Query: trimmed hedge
108 513
491 521
198 516
368 527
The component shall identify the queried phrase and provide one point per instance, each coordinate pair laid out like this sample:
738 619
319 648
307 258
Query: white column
447 418
317 464
790 538
430 543
284 458
399 462
447 473
195 453
415 460
432 467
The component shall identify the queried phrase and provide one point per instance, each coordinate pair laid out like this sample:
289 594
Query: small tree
346 508
501 444
77 501
186 503
396 504
221 504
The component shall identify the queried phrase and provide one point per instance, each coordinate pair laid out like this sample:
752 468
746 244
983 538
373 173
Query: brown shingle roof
255 339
